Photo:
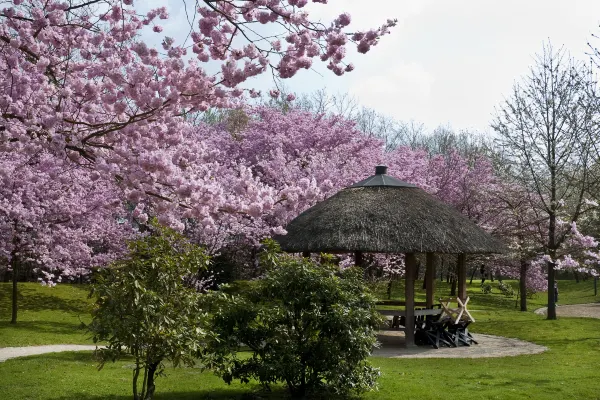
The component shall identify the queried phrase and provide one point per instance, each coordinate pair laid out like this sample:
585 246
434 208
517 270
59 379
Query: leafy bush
146 306
486 288
531 294
308 325
506 289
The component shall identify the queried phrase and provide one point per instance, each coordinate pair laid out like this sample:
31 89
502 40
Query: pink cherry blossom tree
78 81
60 220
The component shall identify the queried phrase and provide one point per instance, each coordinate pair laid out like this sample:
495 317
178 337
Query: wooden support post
358 259
431 263
462 276
409 298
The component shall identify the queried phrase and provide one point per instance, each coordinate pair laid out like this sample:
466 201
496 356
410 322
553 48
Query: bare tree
546 130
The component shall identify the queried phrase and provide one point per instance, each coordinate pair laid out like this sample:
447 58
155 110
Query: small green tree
308 325
146 306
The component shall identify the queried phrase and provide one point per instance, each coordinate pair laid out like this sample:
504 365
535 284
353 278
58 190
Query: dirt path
14 352
591 310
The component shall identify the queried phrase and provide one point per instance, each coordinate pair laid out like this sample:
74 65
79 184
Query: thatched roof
384 215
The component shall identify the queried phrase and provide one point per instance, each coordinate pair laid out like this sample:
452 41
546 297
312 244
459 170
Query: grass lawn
46 315
569 370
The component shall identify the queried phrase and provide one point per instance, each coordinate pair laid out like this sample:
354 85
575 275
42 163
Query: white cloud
447 62
401 90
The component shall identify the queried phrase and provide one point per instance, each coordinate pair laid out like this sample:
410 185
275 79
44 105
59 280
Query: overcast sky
447 62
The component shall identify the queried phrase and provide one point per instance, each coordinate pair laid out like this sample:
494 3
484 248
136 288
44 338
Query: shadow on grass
31 299
222 394
38 327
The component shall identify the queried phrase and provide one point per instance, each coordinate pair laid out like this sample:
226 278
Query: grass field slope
569 370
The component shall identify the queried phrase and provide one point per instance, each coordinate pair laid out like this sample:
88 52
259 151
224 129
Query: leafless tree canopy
547 132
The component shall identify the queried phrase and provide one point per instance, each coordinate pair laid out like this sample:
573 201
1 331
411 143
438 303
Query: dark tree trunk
442 269
523 285
552 248
482 273
454 279
551 299
15 278
453 287
150 384
136 374
472 275
576 274
491 276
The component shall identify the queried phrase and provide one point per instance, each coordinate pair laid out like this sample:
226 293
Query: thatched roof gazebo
382 214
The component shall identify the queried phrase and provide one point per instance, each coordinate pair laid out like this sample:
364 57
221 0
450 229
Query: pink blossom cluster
58 219
79 83
303 158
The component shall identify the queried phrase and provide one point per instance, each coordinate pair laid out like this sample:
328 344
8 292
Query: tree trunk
576 274
150 387
551 300
453 287
136 374
441 269
429 281
461 276
523 285
15 278
454 280
552 248
472 275
409 299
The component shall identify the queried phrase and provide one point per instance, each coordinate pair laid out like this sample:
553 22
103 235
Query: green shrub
531 294
144 308
486 288
308 325
506 289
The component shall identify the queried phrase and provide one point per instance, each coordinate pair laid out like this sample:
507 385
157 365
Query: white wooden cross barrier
458 313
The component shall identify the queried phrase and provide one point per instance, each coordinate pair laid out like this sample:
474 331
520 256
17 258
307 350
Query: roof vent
380 170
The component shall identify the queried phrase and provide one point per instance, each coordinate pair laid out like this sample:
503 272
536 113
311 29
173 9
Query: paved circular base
393 346
591 310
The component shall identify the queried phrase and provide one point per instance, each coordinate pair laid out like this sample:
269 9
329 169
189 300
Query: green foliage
145 306
506 289
307 325
486 288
